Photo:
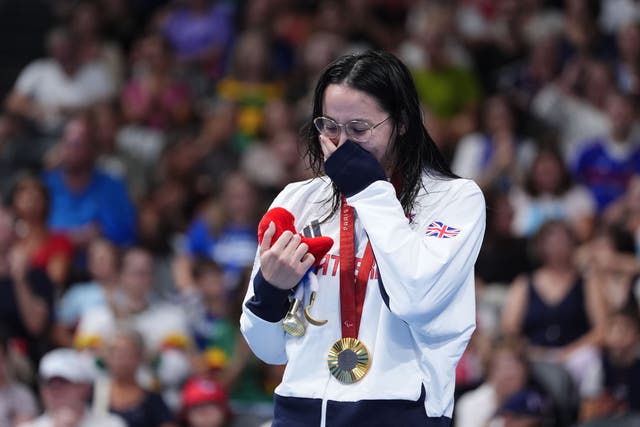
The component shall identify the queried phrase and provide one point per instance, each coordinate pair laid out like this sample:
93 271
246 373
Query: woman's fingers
266 238
300 251
284 263
307 262
282 241
327 146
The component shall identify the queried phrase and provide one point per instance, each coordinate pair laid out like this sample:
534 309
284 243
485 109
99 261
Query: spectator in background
581 35
106 118
504 40
625 212
222 355
504 255
85 202
86 26
275 160
163 325
103 267
50 91
17 402
419 17
224 232
449 92
617 382
522 80
508 375
125 397
205 404
573 104
526 408
49 251
554 308
615 14
548 193
26 294
250 83
154 96
179 191
605 164
18 151
496 156
216 141
627 67
134 303
65 386
609 260
318 50
207 306
200 33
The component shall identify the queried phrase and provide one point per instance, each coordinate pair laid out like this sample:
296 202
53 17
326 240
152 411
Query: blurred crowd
138 155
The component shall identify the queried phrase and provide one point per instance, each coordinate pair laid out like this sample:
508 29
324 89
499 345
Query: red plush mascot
284 220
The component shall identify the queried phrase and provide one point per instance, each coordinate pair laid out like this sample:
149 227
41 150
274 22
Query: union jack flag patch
441 230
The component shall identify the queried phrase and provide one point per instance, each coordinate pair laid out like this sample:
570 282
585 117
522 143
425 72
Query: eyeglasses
358 130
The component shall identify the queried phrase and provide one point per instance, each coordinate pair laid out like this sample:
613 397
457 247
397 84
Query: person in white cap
65 385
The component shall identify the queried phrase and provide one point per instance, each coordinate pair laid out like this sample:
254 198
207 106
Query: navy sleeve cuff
268 302
352 168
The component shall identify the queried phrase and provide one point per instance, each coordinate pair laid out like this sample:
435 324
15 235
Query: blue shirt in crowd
105 201
234 248
606 169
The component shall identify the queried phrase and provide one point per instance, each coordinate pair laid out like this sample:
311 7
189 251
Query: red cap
202 390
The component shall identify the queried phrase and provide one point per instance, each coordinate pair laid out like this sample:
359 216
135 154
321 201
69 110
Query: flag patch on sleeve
441 230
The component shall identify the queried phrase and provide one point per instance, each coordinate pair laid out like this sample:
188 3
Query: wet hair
385 78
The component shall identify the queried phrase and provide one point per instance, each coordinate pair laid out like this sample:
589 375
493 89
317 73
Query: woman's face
343 104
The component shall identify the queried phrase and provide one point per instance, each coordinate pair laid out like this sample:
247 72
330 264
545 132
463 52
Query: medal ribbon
352 288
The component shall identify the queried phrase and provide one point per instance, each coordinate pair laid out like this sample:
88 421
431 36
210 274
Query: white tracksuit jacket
418 314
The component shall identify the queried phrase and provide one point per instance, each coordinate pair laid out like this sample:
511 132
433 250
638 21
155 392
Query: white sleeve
266 338
429 281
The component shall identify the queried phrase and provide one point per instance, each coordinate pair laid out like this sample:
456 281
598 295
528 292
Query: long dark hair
385 78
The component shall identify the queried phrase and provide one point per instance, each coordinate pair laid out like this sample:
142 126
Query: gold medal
348 360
